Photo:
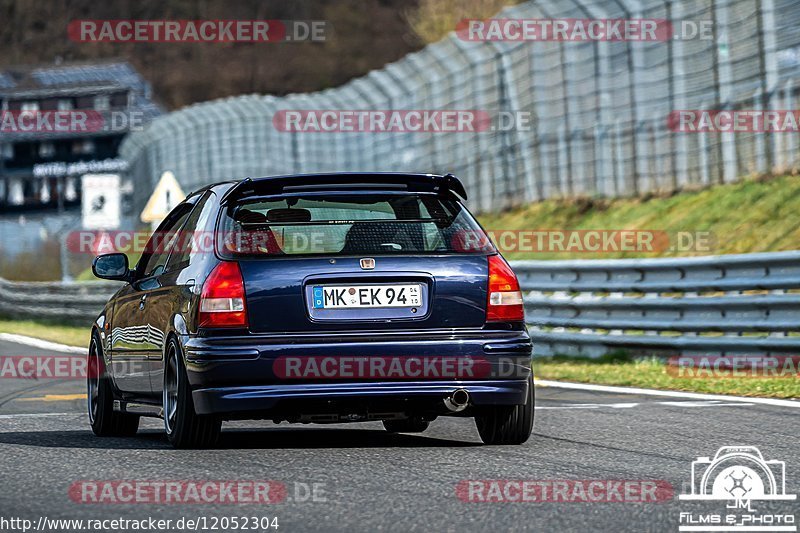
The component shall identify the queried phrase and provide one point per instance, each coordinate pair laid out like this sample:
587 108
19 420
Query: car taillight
505 298
222 303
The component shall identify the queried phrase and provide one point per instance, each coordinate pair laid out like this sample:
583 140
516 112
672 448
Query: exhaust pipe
458 401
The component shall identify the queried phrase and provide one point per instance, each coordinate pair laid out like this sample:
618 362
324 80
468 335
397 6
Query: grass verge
70 335
754 215
652 374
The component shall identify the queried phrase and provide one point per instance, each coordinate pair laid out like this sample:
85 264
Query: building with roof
61 121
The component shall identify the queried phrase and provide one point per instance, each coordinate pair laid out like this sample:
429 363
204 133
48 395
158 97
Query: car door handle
142 301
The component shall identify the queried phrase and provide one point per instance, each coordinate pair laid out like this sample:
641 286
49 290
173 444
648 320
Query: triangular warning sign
165 197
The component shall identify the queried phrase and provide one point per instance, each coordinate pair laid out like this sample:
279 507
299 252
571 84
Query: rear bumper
230 400
237 375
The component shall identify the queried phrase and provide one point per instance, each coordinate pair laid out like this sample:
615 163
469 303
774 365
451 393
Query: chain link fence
599 110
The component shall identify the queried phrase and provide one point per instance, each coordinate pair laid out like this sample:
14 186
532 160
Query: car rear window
371 224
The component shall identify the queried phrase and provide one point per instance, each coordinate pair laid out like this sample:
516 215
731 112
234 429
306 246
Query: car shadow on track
238 439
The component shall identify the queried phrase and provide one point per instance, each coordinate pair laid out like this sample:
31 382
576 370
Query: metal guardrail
68 303
717 304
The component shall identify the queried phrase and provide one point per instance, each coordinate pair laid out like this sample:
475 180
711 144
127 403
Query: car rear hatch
357 259
400 292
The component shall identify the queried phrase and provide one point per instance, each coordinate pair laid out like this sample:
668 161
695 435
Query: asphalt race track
360 478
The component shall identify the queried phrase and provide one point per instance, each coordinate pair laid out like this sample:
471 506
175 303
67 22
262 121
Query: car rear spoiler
344 181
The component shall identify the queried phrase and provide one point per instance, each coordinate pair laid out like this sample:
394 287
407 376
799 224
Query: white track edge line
669 393
36 415
39 343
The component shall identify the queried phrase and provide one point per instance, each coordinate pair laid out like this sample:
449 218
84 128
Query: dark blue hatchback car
321 298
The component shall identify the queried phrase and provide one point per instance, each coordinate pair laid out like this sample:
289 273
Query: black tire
104 420
406 425
507 424
184 427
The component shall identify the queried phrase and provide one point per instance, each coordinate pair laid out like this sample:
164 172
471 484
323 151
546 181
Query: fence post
601 161
563 160
472 53
602 71
365 93
725 76
447 64
634 99
678 99
790 140
604 173
471 177
351 149
642 180
769 70
431 140
516 146
544 185
620 156
705 176
570 107
759 144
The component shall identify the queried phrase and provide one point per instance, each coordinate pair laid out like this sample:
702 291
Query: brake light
222 303
505 298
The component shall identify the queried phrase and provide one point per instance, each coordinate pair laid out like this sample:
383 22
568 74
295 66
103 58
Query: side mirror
111 266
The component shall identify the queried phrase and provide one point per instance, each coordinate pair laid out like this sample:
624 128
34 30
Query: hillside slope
751 216
365 35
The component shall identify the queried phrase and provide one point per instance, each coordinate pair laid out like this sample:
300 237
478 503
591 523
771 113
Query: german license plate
360 296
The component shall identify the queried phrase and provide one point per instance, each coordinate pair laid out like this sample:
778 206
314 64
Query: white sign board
165 197
100 201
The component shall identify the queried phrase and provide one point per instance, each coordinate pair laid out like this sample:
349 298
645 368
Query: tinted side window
189 241
160 243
